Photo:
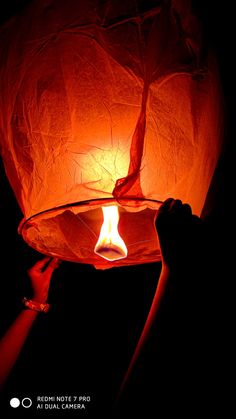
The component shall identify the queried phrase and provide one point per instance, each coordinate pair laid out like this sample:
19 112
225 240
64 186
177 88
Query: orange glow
120 110
110 245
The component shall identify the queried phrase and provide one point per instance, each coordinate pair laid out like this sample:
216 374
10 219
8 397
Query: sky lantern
107 109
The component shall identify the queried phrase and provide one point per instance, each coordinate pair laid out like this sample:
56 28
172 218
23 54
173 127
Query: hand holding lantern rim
40 274
12 342
177 229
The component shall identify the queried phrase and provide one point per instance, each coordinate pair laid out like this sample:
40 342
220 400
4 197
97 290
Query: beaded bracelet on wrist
35 305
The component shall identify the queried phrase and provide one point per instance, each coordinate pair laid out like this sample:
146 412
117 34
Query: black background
83 345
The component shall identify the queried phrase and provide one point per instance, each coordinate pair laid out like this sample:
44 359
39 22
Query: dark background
84 344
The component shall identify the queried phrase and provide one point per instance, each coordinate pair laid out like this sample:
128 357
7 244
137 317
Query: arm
176 227
14 339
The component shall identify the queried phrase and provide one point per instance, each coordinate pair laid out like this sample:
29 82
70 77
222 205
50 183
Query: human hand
40 275
177 231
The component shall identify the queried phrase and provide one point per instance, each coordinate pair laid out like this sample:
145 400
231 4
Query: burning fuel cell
110 245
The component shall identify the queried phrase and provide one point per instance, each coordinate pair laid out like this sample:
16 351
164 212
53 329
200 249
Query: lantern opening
70 232
110 245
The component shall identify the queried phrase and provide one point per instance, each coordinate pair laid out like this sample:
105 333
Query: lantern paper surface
105 103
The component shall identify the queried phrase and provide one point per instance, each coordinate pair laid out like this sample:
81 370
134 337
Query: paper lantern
105 103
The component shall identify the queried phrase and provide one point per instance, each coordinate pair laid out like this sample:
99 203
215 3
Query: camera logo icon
26 402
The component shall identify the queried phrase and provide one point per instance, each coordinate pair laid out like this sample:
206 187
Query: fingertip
175 204
187 208
166 205
55 262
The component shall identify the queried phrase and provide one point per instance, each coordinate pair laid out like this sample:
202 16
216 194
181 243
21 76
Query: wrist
40 298
35 305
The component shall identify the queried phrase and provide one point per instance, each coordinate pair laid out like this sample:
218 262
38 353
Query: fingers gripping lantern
105 104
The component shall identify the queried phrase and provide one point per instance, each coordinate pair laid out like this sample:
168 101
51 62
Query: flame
110 245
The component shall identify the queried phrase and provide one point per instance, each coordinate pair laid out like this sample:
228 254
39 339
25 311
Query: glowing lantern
105 104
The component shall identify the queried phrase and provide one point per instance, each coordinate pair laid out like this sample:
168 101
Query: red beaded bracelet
34 305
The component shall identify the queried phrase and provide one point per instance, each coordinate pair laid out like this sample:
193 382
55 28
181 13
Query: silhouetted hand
40 275
178 232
